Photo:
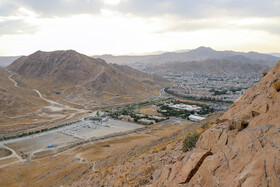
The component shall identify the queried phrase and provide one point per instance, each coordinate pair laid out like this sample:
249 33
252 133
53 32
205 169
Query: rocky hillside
241 149
63 66
15 102
77 78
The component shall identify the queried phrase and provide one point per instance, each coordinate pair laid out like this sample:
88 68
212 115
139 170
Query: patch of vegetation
95 119
5 152
218 92
37 131
205 126
130 110
195 98
190 141
167 112
235 89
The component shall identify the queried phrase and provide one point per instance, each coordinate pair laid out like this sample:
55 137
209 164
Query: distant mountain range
202 59
199 54
7 60
216 66
275 54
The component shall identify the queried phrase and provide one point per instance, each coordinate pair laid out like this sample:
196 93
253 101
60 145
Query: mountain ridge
68 84
198 54
69 72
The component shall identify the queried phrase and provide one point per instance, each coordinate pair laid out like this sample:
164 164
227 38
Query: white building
195 118
183 107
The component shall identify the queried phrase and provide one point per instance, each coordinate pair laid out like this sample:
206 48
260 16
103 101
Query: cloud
201 8
175 24
58 8
7 8
148 8
17 26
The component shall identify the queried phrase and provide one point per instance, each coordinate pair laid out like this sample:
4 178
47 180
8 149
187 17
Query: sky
95 27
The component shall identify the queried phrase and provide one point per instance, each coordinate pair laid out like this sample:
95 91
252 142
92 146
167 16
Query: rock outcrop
242 149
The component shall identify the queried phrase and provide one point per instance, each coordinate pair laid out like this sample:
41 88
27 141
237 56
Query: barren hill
15 102
76 78
46 89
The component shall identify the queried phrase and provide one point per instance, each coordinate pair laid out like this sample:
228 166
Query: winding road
10 77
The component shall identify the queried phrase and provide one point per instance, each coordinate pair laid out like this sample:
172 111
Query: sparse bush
204 126
190 141
163 148
95 119
5 152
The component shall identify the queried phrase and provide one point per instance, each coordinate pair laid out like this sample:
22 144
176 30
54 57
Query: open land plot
34 144
58 138
87 129
8 161
150 110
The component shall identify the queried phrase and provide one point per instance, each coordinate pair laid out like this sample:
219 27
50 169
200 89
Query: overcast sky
138 26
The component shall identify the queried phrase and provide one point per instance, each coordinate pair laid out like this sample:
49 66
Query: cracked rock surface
242 149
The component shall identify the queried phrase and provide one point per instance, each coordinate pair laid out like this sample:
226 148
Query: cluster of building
144 119
222 87
183 107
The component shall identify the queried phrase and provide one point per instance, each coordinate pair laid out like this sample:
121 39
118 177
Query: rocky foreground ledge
242 149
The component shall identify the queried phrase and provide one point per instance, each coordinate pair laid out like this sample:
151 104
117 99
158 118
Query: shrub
190 141
205 126
95 119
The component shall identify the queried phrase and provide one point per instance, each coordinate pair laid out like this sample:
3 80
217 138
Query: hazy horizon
119 27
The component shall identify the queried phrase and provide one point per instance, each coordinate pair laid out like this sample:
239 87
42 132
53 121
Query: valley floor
66 164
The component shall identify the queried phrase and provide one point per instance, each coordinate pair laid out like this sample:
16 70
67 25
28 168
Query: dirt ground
74 164
151 110
4 152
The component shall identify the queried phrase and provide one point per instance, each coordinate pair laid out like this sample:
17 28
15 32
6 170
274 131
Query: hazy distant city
223 87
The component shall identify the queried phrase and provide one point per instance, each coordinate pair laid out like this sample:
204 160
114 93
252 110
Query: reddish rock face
260 104
242 149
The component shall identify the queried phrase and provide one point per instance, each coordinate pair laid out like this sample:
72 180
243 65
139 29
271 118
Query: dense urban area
225 87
